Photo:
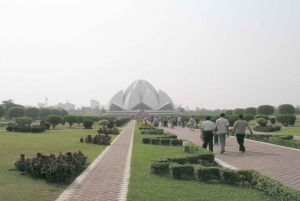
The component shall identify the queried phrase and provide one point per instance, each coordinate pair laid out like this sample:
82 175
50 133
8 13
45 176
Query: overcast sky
207 54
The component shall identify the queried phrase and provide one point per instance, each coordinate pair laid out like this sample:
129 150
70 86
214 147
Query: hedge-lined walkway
107 177
279 163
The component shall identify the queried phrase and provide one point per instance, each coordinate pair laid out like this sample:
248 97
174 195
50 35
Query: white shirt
221 125
208 125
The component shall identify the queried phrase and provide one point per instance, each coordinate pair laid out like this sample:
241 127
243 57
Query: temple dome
140 95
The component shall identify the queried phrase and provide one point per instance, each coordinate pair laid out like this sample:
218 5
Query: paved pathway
108 176
279 163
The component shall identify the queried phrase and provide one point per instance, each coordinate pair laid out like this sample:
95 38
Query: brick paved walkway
108 176
279 163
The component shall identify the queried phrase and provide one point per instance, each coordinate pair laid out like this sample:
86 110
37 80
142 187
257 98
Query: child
216 137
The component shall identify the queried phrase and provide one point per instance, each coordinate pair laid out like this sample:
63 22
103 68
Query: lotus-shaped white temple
140 95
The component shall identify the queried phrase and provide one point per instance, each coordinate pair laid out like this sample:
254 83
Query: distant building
94 104
67 106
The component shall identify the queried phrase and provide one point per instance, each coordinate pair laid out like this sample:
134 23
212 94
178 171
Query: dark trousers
216 139
208 139
240 139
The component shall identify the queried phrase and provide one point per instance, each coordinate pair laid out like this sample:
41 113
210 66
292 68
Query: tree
70 119
228 112
80 120
23 120
2 111
88 123
265 109
103 123
248 117
7 104
54 120
15 112
286 119
64 112
45 112
286 109
250 110
56 112
32 112
238 111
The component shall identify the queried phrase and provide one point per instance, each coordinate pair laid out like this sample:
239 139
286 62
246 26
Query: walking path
279 163
108 176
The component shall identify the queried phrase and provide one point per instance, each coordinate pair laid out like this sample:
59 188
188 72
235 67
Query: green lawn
146 186
13 185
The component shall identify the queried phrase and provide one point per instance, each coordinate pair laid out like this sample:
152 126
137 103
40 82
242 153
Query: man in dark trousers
207 131
240 128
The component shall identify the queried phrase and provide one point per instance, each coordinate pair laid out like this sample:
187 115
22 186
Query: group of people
221 127
174 121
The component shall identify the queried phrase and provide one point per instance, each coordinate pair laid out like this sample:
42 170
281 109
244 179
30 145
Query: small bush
88 123
207 173
182 171
155 141
146 140
165 141
176 142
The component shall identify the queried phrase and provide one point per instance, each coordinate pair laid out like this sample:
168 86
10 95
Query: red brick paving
279 163
104 179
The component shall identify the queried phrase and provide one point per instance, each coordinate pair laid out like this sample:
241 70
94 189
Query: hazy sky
207 54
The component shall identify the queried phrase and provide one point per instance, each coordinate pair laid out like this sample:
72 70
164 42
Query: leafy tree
15 112
45 112
32 112
54 120
103 123
228 112
250 110
265 109
238 111
286 119
248 117
232 119
64 112
2 111
70 119
80 120
7 104
56 112
23 120
286 109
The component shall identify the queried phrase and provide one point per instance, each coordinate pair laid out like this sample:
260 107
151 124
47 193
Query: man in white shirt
222 126
192 123
207 131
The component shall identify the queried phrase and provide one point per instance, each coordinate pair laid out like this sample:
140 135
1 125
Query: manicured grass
147 186
13 185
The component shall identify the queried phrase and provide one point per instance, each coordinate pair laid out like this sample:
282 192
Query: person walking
192 123
179 121
161 121
182 121
172 122
207 131
240 128
222 127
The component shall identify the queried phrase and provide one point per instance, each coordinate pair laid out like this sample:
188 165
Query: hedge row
286 141
152 132
186 168
162 141
26 128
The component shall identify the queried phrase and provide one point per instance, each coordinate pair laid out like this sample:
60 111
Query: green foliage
182 171
207 173
51 168
98 139
15 112
45 112
248 117
103 123
88 123
146 140
32 112
250 110
228 112
26 128
266 117
64 112
47 125
80 120
7 104
272 120
23 120
70 119
238 111
262 122
111 123
267 128
57 112
286 119
265 109
286 109
54 120
2 111
232 119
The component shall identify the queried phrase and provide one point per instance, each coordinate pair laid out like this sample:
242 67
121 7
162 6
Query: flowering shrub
51 168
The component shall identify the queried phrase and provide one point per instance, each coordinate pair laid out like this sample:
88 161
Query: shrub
268 128
207 173
15 112
272 120
250 110
54 120
286 119
2 111
70 119
238 111
182 171
165 141
103 123
44 112
248 117
265 109
286 109
23 120
88 123
176 142
146 140
266 117
159 167
47 125
232 119
56 112
32 112
155 140
261 121
228 112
